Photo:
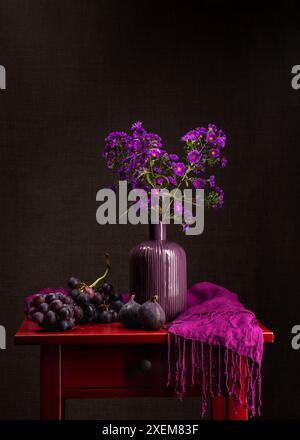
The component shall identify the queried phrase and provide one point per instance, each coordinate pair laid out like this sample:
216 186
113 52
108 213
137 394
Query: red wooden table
107 360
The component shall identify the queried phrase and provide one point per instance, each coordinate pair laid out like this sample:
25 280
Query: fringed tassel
218 368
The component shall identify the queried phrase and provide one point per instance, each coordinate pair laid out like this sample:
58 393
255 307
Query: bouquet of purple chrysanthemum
141 160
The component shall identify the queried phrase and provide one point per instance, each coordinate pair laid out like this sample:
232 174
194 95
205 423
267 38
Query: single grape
116 297
71 310
37 300
64 313
114 315
117 305
89 312
43 308
107 288
50 318
50 297
105 316
60 295
74 294
71 323
90 291
78 313
38 317
74 282
31 311
82 299
62 326
67 300
56 305
98 299
106 299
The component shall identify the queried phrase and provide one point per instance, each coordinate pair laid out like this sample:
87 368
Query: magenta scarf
216 344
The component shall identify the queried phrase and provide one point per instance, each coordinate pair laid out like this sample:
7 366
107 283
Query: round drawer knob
145 365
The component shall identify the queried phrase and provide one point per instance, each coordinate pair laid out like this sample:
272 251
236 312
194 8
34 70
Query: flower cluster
139 158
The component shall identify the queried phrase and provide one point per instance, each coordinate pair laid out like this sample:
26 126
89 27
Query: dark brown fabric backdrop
79 69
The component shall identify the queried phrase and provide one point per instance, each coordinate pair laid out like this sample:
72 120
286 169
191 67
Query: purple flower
173 157
219 191
210 137
212 181
193 156
138 130
223 162
220 141
190 136
212 127
159 180
179 169
199 183
155 153
136 125
214 152
171 180
201 132
153 140
157 170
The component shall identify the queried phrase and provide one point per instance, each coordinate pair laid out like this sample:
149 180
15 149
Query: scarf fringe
217 370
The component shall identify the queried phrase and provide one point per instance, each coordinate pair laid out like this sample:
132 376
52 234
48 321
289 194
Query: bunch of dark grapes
53 311
98 304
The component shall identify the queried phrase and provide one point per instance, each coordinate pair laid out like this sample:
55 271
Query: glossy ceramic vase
158 266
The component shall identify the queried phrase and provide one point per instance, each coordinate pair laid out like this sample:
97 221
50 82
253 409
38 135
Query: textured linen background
79 69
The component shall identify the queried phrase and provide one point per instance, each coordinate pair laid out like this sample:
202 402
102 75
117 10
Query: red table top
31 334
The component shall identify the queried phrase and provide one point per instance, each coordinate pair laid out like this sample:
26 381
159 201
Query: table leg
51 402
218 408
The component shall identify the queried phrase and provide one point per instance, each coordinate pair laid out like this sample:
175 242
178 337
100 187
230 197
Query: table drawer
117 366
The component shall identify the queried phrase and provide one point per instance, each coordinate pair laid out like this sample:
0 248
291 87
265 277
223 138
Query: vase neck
158 232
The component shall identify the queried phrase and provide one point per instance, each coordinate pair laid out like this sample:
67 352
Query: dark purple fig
129 314
152 314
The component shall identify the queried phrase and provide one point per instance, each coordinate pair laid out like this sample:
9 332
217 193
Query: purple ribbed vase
158 266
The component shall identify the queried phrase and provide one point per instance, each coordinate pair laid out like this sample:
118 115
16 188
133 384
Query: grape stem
83 286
